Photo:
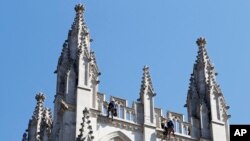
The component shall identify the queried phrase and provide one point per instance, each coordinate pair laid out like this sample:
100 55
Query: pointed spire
146 83
80 30
79 22
204 94
79 17
202 56
39 106
203 62
146 79
78 41
204 74
41 120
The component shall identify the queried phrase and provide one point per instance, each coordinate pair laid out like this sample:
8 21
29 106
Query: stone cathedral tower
80 109
77 81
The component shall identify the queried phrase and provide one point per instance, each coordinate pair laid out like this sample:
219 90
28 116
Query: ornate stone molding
115 135
128 125
86 131
201 42
67 106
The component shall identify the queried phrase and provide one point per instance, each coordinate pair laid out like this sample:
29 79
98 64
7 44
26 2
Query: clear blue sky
127 35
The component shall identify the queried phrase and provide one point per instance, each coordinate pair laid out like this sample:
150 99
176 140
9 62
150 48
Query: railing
180 125
123 111
126 113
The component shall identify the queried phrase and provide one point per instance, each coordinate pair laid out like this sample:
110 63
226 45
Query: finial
40 97
201 42
79 8
145 67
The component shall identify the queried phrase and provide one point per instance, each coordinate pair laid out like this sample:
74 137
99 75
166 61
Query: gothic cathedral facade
80 109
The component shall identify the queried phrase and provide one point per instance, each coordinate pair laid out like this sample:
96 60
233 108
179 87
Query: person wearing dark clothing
111 104
170 127
170 124
112 109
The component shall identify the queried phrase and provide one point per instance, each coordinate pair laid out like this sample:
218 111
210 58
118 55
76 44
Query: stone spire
202 61
77 80
79 23
204 73
40 124
79 29
37 114
204 95
146 99
146 83
78 42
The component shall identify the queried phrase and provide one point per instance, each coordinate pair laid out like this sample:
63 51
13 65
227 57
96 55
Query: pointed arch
114 135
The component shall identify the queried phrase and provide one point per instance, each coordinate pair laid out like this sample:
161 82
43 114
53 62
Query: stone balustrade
123 111
129 114
181 126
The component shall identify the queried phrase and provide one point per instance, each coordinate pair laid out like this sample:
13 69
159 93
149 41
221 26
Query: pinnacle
146 80
203 71
79 27
202 56
146 76
145 68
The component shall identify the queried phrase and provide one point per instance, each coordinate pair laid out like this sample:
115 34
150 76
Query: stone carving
201 42
41 123
86 131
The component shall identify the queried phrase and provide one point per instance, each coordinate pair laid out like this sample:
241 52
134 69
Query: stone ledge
84 88
120 123
218 122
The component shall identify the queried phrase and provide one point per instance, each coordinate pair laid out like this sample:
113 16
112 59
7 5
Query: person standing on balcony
112 109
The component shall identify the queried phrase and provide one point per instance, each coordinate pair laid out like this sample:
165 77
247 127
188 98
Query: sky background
127 35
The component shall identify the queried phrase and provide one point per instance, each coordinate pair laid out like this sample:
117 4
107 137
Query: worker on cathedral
170 128
112 109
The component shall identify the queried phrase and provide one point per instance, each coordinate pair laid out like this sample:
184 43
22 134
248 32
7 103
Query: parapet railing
123 111
129 114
